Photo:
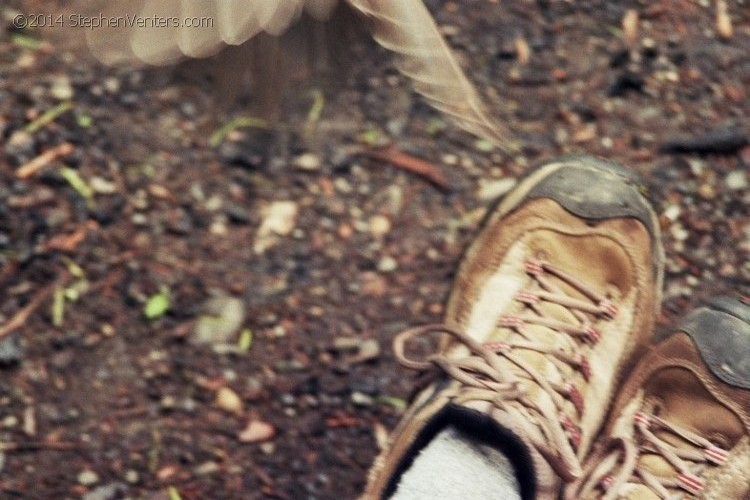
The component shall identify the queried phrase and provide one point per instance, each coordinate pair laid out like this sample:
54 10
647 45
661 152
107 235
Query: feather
407 28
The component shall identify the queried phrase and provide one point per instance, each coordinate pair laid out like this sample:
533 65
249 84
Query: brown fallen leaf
411 164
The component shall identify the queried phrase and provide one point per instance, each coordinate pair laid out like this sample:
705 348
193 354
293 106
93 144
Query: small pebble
10 421
257 431
279 220
362 399
112 85
736 180
237 214
268 448
61 89
11 351
387 264
88 478
368 350
343 186
707 191
307 161
493 189
380 225
102 186
220 322
206 468
132 476
111 491
672 212
678 232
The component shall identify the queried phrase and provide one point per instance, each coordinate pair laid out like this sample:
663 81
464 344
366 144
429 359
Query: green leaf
48 117
393 401
73 268
173 493
25 41
484 145
157 305
370 137
58 307
319 101
243 121
246 339
84 121
77 183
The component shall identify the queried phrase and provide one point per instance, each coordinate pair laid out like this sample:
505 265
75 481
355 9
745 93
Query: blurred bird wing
162 31
405 27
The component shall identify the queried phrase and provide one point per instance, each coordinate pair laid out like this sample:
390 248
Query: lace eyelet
591 335
606 482
691 483
584 367
716 455
642 419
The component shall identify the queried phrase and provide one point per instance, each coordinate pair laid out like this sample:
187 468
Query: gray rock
111 491
11 351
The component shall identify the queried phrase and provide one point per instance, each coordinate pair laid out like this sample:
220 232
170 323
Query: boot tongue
547 481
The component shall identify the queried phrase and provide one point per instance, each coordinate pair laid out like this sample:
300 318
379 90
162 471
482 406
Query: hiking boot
551 301
680 426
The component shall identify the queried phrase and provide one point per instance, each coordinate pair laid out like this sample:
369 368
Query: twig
44 159
411 164
39 445
722 140
22 316
69 242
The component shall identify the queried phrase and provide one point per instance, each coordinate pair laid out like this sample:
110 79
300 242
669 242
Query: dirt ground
191 314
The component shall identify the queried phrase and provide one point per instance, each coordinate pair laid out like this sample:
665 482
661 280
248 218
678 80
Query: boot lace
495 372
622 454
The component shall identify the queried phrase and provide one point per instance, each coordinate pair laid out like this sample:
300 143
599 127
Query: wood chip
723 21
630 28
523 51
256 432
228 400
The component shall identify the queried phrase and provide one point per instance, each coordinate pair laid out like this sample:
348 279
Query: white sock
454 465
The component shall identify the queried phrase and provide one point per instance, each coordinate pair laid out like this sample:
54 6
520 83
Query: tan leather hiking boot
680 427
551 301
